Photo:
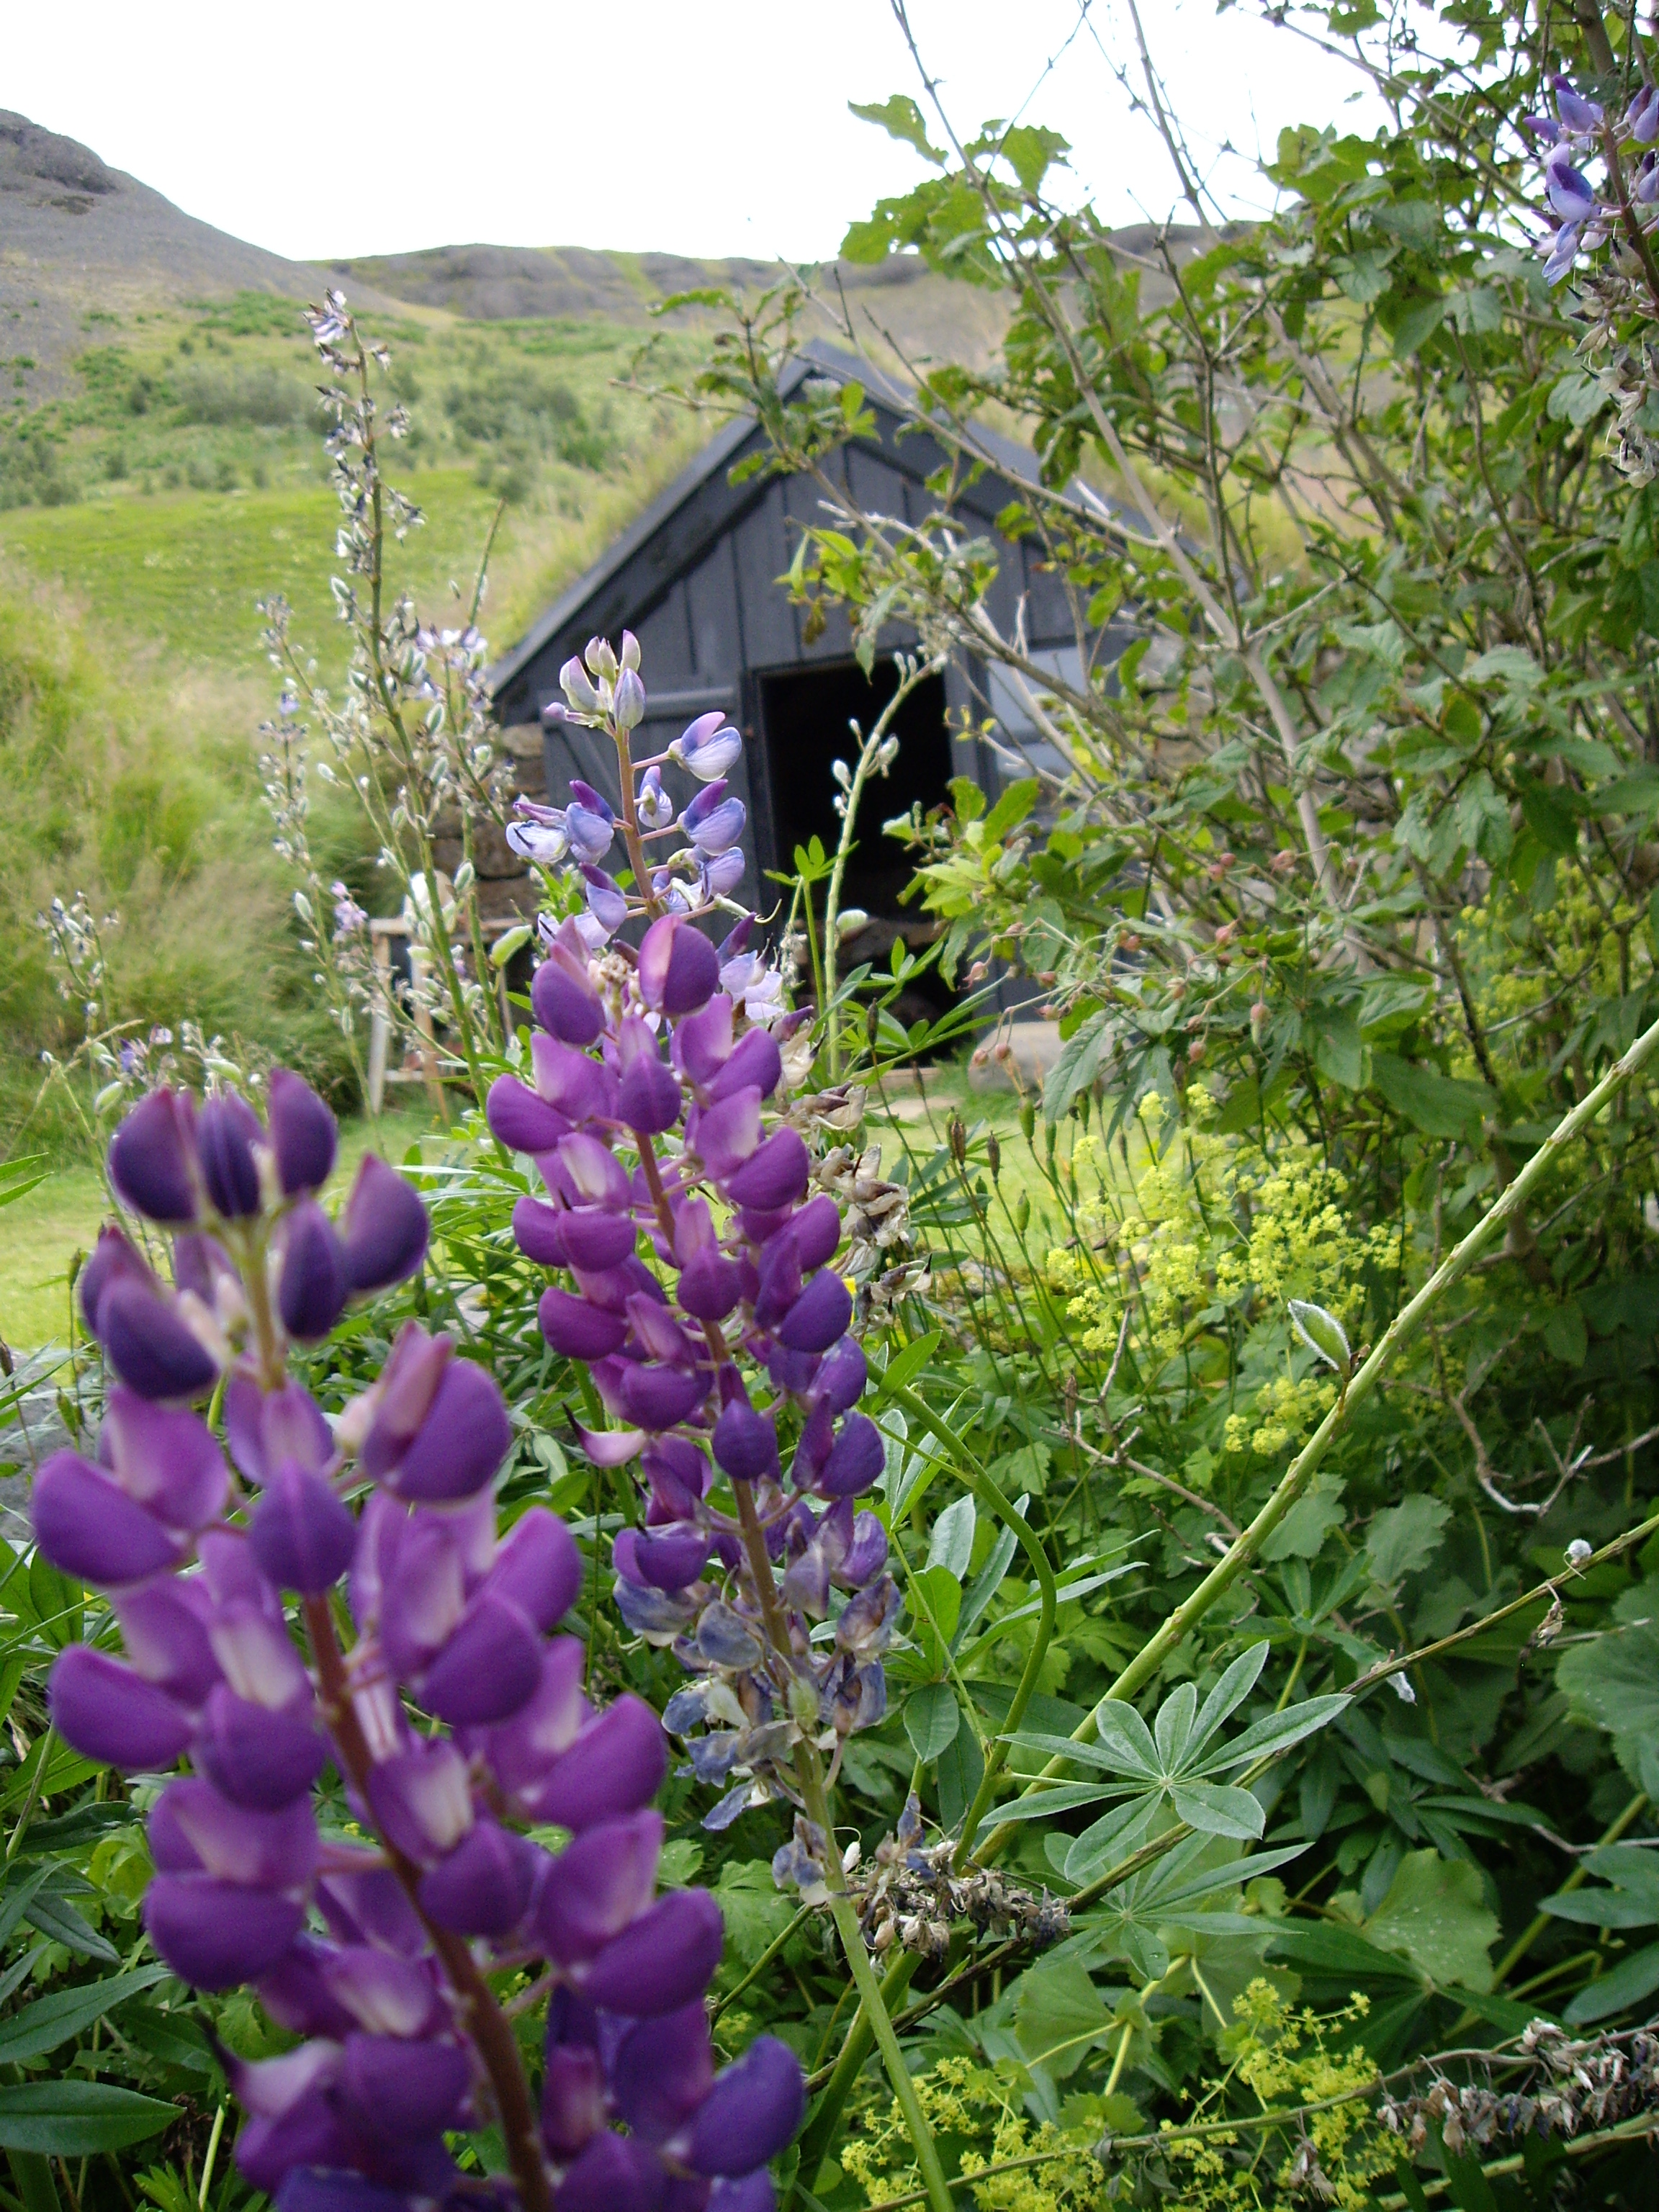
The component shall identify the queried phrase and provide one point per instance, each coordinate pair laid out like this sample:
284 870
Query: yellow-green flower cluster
1211 1229
1330 2146
971 2105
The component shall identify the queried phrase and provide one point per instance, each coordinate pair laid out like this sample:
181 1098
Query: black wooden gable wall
696 579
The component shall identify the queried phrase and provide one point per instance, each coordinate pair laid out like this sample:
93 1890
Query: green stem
904 2089
872 744
983 1488
1404 1326
861 2039
809 1774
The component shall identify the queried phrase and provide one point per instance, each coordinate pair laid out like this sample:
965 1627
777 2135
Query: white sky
700 129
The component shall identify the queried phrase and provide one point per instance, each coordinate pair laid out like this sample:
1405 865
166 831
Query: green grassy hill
162 471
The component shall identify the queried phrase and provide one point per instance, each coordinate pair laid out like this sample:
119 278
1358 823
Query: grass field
41 1233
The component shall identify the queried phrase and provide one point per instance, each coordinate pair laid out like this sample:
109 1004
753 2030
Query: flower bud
572 682
628 703
311 1290
565 1004
819 1315
572 2098
483 1888
150 1346
90 1529
752 2112
489 1666
539 1567
856 1460
746 1442
259 1756
150 1157
303 1133
839 1382
300 1533
662 2072
113 1260
601 658
654 1397
107 1712
193 1830
598 1885
578 1329
407 2090
774 1177
613 2173
421 1801
660 1961
648 1097
459 1445
614 1765
678 968
384 1228
667 1559
755 1061
227 1130
709 747
521 1120
216 1934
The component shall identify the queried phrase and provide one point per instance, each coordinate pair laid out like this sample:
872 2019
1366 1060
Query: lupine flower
1580 118
730 1355
375 1957
709 747
712 822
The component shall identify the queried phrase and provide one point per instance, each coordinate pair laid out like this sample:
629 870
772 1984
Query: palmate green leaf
1215 1809
1058 2016
42 2026
1172 1726
77 2119
1277 1733
1229 1693
1048 1804
1435 1914
1104 1758
1108 1841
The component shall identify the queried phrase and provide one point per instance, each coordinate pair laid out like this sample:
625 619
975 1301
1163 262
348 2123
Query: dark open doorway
804 714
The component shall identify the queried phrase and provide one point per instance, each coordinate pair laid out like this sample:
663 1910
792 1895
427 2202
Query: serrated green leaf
1403 1537
900 118
1435 1914
1058 2017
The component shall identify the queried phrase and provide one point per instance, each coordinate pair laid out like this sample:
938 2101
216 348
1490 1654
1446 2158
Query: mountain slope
79 239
